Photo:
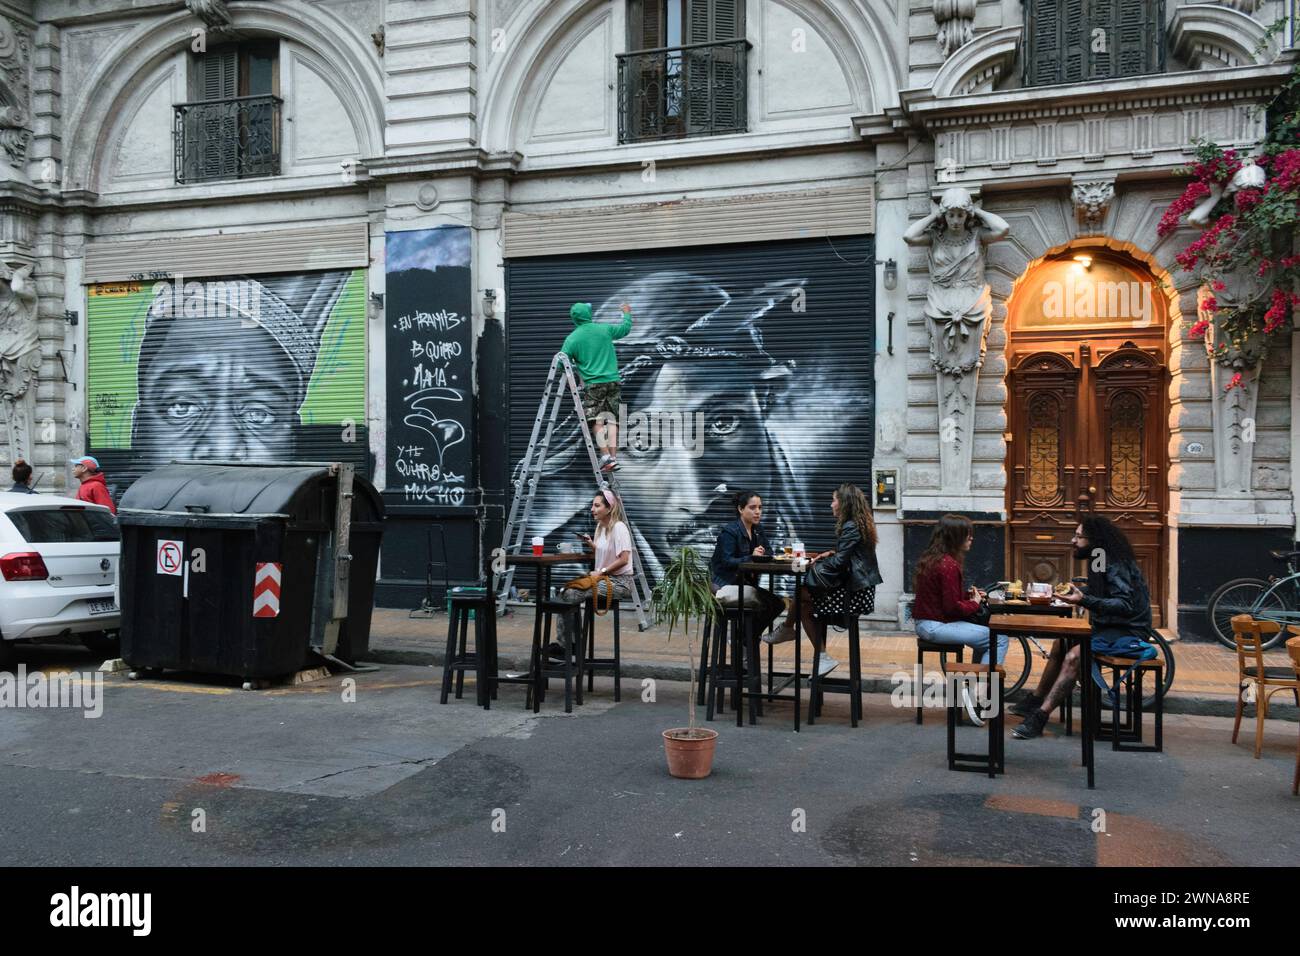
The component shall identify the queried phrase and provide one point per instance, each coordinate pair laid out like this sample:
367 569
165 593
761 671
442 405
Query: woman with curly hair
841 580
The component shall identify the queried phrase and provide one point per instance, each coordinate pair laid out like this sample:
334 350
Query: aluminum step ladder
560 380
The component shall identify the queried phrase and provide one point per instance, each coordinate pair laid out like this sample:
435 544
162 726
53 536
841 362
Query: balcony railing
227 139
695 90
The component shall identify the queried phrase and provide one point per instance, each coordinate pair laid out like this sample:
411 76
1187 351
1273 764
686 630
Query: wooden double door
1088 426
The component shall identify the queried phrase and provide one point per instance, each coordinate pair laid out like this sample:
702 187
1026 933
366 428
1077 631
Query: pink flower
1217 285
1199 329
1235 382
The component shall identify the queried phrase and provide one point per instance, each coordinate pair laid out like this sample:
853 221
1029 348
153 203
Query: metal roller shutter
263 368
748 367
325 246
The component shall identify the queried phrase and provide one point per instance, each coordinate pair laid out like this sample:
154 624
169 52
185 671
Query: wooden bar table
777 567
1076 631
542 583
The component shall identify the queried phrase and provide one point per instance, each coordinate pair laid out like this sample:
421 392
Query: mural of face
742 416
224 367
238 404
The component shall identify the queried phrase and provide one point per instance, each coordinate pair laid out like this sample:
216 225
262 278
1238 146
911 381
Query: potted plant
683 595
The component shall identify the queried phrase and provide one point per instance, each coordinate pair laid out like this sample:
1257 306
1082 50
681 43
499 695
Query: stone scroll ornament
955 20
15 95
957 309
20 360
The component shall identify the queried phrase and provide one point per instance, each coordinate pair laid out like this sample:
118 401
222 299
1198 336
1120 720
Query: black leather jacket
1118 602
852 566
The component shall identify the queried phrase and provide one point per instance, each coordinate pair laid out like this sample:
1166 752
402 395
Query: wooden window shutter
219 75
645 24
1136 35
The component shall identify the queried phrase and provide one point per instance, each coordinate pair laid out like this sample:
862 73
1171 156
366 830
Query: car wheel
103 642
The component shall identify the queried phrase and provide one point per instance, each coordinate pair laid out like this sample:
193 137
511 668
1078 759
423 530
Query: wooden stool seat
1126 686
482 659
994 761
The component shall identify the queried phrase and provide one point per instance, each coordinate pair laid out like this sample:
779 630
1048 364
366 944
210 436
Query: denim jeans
962 632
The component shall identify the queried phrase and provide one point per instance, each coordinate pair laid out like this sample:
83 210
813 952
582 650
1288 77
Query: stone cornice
1134 93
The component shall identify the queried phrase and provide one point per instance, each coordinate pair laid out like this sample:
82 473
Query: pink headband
609 496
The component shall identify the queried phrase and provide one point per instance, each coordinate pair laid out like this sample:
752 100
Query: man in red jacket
93 489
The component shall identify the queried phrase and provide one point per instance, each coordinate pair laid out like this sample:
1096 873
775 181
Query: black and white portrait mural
238 368
747 367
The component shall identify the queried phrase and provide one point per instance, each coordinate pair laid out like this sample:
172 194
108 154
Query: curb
1223 705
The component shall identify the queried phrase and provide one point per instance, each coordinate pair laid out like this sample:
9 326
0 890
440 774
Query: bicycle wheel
1165 653
1019 663
1278 604
1237 596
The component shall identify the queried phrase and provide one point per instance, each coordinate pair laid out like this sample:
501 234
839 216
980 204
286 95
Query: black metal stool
924 647
993 762
851 685
1127 678
459 659
542 668
592 663
727 665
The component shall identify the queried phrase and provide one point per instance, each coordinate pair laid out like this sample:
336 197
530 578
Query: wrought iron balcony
227 139
695 90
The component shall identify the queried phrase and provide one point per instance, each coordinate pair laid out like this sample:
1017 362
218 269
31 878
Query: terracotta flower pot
690 752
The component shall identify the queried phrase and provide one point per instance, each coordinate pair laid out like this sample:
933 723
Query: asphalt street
306 775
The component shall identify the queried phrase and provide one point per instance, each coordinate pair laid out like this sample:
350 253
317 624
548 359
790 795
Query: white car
58 565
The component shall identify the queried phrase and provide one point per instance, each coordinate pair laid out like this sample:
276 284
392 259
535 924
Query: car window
57 526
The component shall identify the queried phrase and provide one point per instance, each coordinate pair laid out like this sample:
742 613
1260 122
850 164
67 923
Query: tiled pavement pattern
1203 670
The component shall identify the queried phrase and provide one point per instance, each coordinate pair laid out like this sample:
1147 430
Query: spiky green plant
683 595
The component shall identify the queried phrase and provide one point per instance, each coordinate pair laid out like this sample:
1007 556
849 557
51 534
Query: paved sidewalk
1204 679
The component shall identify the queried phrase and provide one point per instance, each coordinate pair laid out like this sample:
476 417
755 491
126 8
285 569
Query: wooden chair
1293 648
1252 672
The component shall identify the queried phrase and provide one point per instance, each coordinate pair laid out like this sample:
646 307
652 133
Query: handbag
591 582
982 616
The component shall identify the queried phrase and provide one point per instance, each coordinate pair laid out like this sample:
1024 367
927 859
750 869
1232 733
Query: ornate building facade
354 228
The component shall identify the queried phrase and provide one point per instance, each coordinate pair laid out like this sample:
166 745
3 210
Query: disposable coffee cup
798 549
538 544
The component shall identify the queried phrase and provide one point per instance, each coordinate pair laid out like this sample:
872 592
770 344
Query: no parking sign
169 558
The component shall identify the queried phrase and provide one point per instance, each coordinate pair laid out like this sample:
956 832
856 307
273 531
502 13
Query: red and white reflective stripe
266 590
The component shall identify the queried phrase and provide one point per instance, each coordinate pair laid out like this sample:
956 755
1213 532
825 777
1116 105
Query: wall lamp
490 303
377 299
891 273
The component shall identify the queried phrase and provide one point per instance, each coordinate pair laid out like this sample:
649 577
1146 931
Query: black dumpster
247 570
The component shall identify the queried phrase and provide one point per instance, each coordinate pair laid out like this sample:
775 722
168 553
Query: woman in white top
613 546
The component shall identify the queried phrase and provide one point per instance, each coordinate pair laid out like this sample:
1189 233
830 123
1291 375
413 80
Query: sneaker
781 635
971 710
1032 726
608 463
825 665
1026 706
555 651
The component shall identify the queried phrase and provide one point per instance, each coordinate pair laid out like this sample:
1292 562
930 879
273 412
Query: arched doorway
1088 412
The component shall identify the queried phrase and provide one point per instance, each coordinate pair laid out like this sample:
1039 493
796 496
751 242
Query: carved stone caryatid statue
1233 408
20 359
957 309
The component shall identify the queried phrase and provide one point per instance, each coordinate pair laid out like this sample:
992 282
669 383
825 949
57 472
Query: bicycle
1276 599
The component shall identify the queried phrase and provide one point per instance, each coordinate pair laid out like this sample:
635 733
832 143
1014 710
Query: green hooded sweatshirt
590 346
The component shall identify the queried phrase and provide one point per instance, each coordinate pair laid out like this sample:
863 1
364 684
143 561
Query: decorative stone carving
1245 6
20 359
1091 200
15 101
957 309
1234 422
212 12
955 19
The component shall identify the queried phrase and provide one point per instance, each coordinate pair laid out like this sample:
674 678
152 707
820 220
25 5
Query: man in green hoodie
590 347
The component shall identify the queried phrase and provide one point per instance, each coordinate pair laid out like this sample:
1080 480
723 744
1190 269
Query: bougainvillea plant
1250 241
